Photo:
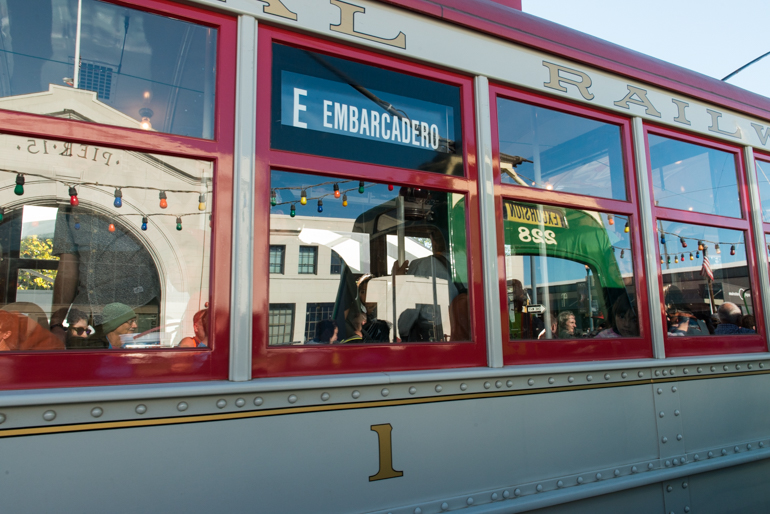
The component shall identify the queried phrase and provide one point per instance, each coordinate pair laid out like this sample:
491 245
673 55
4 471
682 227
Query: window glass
403 274
693 177
333 107
569 273
763 178
91 258
336 266
136 69
276 258
706 285
281 323
552 150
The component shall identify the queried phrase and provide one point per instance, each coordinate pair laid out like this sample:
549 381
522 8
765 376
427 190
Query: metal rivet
669 488
551 380
736 449
724 452
668 463
182 406
678 437
672 371
713 368
725 367
517 492
385 391
559 484
761 444
686 371
676 462
445 506
506 494
683 459
356 394
660 391
761 364
418 510
684 485
2 418
697 457
570 379
539 488
607 376
711 454
240 402
325 397
617 472
292 398
673 389
499 384
579 480
531 382
439 388
141 409
624 375
598 476
469 501
487 385
222 403
700 370
664 440
589 377
641 374
748 447
676 412
413 390
258 401
650 465
96 412
657 372
634 469
665 373
509 383
661 414
463 387
738 366
494 496
750 366
687 508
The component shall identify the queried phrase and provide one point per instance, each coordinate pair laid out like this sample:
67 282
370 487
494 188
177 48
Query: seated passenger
119 319
77 329
325 332
357 322
729 320
554 329
19 333
625 322
749 322
567 325
200 329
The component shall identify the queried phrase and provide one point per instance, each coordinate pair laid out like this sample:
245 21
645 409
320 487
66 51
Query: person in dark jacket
730 320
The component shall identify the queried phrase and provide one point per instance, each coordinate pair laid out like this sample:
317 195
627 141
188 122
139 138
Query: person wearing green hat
119 319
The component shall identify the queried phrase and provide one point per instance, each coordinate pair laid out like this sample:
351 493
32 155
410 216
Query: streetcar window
400 253
333 107
552 150
706 285
693 177
149 71
763 178
569 273
101 248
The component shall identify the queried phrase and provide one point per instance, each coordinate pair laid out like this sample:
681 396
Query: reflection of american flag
705 269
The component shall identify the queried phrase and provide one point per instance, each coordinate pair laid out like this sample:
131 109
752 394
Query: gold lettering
681 116
641 99
346 25
762 137
714 127
556 79
276 8
386 454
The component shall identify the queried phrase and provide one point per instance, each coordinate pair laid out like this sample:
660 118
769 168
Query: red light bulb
111 228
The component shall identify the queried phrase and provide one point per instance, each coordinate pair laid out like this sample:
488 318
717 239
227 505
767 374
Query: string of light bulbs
304 198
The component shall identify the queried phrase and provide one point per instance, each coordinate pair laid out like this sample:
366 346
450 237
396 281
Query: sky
713 37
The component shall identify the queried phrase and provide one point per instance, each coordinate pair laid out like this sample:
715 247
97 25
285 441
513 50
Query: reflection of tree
42 249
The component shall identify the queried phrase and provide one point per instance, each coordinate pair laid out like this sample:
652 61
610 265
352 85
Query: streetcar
374 256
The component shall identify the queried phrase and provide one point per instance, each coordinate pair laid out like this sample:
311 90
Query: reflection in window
552 150
693 177
89 257
158 72
308 257
403 274
281 323
336 264
763 178
705 279
569 273
277 253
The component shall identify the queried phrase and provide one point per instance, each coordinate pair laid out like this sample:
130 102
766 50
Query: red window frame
709 345
328 359
73 368
571 350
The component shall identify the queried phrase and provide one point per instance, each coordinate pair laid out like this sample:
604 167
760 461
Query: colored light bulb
700 245
691 257
336 191
622 253
2 213
111 228
273 198
178 223
390 188
661 260
19 189
303 198
345 200
144 223
668 259
163 199
610 219
684 243
77 223
697 255
73 197
320 205
293 211
676 260
202 202
662 239
361 187
626 230
682 257
118 198
732 250
716 247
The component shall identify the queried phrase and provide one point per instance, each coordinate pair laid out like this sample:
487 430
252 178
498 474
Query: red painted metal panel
321 359
73 368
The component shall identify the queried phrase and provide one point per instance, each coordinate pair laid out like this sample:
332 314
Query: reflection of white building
180 256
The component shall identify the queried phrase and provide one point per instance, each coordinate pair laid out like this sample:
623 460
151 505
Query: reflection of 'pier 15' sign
92 153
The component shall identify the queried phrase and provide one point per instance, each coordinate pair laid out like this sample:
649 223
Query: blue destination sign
313 103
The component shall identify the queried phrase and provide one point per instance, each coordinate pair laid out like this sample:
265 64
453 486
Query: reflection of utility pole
76 76
590 299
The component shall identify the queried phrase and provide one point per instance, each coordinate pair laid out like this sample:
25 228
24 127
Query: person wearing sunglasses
77 329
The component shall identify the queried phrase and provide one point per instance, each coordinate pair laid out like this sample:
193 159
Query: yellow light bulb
202 206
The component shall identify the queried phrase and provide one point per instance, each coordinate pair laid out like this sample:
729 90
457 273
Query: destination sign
533 215
322 105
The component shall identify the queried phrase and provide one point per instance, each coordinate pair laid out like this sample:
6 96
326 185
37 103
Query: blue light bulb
77 226
118 202
144 223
